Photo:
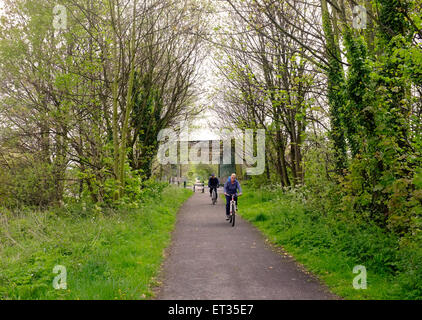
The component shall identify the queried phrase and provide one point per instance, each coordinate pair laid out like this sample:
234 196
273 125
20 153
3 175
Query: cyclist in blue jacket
231 187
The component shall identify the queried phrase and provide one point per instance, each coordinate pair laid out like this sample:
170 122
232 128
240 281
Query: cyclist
213 184
231 187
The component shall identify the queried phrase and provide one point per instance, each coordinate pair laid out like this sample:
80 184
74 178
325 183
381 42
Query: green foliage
377 122
336 99
26 185
109 254
258 181
201 171
146 119
330 242
358 113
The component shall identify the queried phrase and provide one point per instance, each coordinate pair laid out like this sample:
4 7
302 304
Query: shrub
34 185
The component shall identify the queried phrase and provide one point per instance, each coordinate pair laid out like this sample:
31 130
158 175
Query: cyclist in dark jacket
231 187
213 184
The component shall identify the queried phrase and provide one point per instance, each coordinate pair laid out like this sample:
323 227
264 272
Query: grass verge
330 245
107 254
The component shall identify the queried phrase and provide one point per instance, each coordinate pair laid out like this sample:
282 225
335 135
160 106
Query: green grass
108 254
330 245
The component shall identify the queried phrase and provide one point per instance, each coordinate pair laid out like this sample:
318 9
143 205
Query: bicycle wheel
233 220
214 197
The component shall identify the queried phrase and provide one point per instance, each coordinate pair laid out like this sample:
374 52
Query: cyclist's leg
228 199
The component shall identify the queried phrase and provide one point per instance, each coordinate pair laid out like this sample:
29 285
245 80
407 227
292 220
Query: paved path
208 259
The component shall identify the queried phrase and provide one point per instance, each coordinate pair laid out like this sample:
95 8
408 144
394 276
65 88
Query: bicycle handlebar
234 195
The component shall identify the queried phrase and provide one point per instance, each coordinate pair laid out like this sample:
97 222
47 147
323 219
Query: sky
207 82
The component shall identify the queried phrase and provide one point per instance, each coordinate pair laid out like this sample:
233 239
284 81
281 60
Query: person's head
233 177
213 175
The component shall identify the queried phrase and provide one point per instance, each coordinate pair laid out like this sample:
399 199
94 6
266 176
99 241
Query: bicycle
233 210
214 196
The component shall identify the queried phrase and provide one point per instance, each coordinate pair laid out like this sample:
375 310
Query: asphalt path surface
210 260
